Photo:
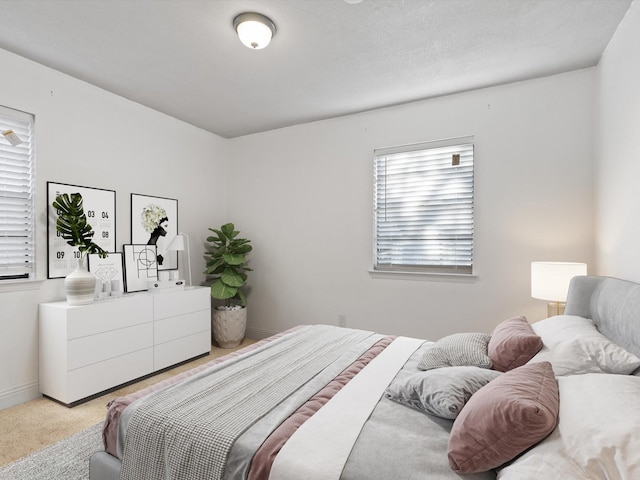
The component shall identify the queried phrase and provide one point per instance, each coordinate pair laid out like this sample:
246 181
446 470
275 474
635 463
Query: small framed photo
154 221
140 266
108 271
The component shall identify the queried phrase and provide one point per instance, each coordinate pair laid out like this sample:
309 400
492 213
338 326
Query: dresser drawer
108 315
171 304
86 381
96 348
169 329
181 349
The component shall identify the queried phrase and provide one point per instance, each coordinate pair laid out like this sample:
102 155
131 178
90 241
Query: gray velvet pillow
441 392
457 350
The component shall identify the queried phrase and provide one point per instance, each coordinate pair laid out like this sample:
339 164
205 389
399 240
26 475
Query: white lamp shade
550 280
177 243
180 243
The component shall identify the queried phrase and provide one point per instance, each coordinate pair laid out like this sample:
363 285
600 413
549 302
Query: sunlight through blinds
423 207
16 195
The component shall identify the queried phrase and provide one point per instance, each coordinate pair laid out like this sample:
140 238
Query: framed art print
108 270
140 266
154 221
100 209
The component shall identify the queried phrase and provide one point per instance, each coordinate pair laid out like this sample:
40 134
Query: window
17 161
423 207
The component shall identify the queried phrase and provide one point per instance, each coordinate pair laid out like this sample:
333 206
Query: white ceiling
328 57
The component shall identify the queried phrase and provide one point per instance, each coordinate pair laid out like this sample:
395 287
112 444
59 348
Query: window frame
455 267
13 118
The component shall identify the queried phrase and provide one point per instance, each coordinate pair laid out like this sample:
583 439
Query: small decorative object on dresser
227 264
73 227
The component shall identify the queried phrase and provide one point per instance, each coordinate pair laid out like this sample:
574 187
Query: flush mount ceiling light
254 30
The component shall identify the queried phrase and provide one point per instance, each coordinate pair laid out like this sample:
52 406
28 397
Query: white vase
229 326
80 285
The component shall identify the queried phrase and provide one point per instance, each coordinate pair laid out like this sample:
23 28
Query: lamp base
555 308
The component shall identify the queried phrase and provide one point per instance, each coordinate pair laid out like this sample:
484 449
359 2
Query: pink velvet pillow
504 418
513 343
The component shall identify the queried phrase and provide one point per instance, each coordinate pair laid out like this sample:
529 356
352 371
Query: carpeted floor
39 423
67 459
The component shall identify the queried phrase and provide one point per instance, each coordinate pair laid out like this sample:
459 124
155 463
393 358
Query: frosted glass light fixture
254 30
550 281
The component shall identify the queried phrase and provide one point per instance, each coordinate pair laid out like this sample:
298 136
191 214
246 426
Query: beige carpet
33 425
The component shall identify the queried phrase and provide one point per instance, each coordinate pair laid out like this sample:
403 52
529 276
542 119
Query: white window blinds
16 196
423 207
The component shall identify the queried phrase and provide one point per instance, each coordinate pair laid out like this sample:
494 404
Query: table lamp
550 281
180 243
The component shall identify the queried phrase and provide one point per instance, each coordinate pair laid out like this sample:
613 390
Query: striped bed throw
187 431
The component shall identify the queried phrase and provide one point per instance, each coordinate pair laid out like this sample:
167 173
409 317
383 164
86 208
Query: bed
552 399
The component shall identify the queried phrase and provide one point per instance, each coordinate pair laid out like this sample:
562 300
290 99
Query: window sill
458 277
20 285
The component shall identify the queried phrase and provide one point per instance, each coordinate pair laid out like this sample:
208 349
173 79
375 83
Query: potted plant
73 227
227 264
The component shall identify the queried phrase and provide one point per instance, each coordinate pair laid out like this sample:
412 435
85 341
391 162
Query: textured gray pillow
442 392
459 349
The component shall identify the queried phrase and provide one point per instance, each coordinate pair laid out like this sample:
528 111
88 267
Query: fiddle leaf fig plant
72 224
227 263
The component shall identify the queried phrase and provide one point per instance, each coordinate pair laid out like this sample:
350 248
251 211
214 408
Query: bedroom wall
87 136
618 152
304 196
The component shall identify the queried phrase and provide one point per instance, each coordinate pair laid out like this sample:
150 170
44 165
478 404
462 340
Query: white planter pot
228 326
80 285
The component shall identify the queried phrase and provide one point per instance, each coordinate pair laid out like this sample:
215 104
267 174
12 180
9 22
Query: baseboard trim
19 394
258 333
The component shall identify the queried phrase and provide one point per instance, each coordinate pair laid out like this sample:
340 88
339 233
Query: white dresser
87 350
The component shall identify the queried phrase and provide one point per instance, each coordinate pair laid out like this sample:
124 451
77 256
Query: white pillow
596 436
574 346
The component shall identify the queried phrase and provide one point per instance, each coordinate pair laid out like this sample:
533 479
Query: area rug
67 459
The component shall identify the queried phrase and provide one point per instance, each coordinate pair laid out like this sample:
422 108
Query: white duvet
315 451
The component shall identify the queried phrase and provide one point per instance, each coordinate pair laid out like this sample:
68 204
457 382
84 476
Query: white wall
304 196
86 136
618 152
